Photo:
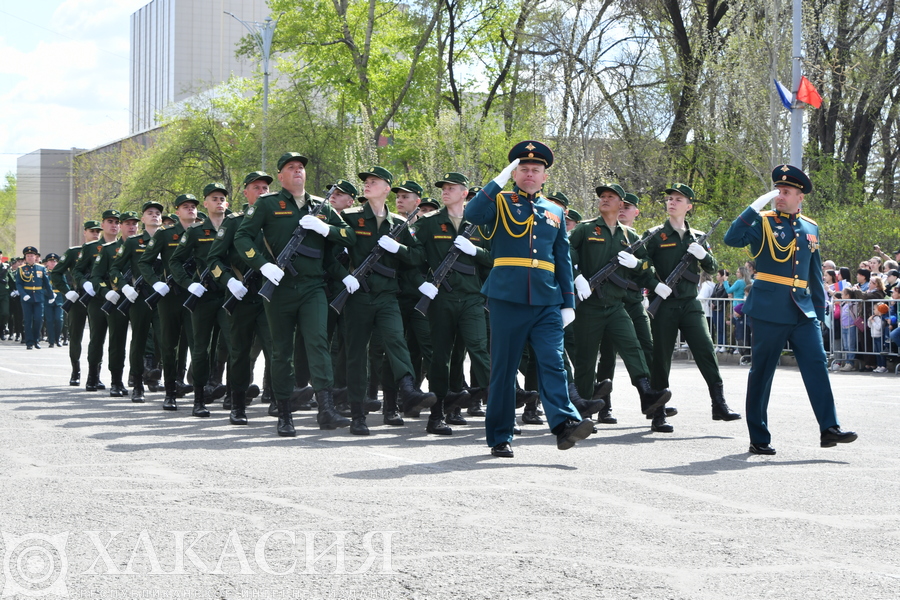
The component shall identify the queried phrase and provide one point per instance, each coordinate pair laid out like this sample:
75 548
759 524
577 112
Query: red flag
807 93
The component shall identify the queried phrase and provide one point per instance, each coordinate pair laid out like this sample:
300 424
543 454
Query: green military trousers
687 316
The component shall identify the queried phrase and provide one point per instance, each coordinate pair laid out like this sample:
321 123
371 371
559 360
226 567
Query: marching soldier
61 277
248 319
172 313
97 320
53 313
375 308
33 287
530 295
140 315
107 288
683 312
7 286
601 314
208 314
457 307
787 305
298 301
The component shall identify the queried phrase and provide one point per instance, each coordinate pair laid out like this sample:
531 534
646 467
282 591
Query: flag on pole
807 93
784 94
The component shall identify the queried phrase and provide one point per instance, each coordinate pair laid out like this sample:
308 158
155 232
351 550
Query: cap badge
530 146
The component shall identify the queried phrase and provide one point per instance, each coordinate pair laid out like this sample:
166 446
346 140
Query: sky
63 74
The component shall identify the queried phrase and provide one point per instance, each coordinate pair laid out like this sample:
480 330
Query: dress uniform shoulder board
75 248
767 213
657 229
196 225
353 210
270 194
234 215
137 235
805 218
110 243
430 214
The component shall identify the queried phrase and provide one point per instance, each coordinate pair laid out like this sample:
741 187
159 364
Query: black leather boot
412 399
651 399
390 416
358 425
251 393
602 389
530 416
97 381
200 409
454 416
285 427
90 385
303 399
75 377
586 408
328 417
720 410
523 397
117 389
137 391
659 423
476 403
606 415
460 399
169 402
238 415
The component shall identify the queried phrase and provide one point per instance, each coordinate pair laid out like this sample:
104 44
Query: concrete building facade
45 210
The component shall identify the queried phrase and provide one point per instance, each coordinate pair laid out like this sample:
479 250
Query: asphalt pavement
102 498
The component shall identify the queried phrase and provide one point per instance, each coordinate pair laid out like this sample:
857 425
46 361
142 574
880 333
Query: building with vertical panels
180 48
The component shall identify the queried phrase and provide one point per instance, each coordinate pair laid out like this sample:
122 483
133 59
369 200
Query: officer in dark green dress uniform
108 291
456 311
530 295
33 286
248 319
140 315
62 280
682 311
7 285
53 312
601 314
376 308
208 314
298 301
787 304
96 317
172 315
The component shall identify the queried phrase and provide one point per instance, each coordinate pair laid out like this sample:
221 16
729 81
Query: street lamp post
262 34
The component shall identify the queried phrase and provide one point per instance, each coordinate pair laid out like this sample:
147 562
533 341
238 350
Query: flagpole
796 107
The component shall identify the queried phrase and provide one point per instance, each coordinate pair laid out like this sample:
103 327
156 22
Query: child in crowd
876 327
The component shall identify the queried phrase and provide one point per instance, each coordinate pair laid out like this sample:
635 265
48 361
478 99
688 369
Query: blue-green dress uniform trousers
512 325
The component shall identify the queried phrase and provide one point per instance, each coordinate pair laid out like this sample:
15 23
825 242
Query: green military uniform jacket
127 258
277 216
593 245
195 243
163 245
65 265
364 225
666 248
223 258
85 265
101 272
436 232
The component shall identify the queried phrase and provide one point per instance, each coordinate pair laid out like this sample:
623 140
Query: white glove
237 289
89 288
161 288
71 296
112 296
582 288
197 289
314 224
465 245
26 298
15 294
130 293
389 244
568 315
271 272
52 298
429 289
697 250
351 283
662 290
760 203
627 259
503 177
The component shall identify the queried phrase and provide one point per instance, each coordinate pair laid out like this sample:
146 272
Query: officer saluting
530 295
33 285
787 304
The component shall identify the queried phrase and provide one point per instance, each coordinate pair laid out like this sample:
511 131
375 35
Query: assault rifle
205 281
371 264
681 269
608 272
294 247
443 271
108 306
155 297
125 305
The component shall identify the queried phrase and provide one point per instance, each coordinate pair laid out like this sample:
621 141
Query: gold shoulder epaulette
767 213
805 218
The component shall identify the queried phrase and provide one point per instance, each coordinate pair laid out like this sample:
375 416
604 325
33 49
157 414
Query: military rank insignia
221 233
663 236
282 205
250 253
444 227
150 245
250 211
361 222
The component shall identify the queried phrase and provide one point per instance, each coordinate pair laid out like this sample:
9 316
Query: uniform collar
370 214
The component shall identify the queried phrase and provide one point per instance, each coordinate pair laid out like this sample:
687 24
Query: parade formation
342 296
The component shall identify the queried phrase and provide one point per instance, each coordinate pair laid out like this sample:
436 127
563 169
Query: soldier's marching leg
312 320
696 334
118 333
140 316
98 324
